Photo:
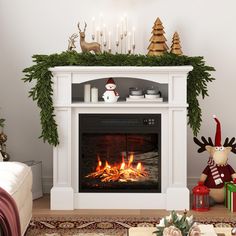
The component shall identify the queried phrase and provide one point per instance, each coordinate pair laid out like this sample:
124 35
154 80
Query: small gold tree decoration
157 44
176 47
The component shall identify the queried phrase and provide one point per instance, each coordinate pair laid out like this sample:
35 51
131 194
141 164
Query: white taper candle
93 28
94 94
100 20
109 40
87 92
129 42
117 32
122 26
98 34
125 25
133 36
104 33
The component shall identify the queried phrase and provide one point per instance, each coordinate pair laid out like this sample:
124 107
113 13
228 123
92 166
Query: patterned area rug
103 226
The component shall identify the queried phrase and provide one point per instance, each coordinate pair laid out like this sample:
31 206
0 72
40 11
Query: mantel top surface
121 69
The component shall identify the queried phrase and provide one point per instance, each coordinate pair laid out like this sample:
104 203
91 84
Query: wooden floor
41 207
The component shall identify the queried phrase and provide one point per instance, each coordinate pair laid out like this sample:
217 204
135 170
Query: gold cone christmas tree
157 44
176 47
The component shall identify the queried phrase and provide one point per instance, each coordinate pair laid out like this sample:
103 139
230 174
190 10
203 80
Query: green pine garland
2 122
42 91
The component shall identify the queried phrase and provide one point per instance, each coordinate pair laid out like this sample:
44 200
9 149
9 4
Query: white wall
27 27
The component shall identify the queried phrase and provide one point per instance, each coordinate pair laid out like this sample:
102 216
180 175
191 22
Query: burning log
118 173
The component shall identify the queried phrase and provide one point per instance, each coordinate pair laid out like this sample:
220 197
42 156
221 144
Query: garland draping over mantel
42 91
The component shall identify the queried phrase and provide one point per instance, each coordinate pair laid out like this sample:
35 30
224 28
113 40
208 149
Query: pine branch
2 122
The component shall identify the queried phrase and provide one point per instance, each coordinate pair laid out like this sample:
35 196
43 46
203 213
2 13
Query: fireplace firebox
120 153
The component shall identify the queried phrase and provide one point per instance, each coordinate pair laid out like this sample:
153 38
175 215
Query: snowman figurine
110 95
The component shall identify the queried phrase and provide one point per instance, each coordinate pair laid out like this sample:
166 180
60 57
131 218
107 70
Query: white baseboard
48 183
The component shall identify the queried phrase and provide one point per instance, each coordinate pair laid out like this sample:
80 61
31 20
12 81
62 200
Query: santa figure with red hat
218 171
110 95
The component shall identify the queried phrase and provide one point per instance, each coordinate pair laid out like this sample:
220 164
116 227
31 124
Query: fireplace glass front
120 153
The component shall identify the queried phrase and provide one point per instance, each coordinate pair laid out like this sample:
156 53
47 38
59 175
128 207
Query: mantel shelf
120 69
124 104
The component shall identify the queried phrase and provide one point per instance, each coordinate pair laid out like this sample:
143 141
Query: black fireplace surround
108 140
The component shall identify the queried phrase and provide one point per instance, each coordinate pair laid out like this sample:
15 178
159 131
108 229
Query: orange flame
99 163
123 158
107 165
122 167
131 159
139 166
123 172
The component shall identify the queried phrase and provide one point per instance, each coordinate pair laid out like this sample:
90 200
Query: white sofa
16 179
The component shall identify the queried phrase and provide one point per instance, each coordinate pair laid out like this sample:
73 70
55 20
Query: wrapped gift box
226 192
230 196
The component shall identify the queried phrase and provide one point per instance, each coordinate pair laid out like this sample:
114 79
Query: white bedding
16 179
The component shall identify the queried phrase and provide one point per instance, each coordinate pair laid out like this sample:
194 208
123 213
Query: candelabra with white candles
119 39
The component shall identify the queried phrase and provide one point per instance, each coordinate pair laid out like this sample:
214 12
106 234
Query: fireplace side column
62 194
177 192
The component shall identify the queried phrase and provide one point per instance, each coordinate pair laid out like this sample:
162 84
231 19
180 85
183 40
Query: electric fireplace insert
120 153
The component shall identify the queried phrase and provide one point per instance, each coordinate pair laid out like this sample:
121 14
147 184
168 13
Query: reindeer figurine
71 42
87 47
218 171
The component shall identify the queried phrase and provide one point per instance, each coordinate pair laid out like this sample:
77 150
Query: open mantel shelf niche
172 82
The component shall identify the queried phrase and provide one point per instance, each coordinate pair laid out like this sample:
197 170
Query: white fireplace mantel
174 194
